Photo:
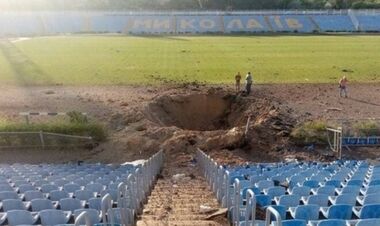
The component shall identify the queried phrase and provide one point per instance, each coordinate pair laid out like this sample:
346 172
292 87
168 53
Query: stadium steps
178 201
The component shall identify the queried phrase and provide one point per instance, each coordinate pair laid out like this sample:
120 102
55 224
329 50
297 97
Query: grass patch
118 60
313 132
95 130
366 129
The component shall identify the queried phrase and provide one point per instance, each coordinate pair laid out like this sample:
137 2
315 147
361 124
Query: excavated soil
141 120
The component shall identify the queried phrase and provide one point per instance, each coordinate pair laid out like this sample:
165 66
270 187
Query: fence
41 140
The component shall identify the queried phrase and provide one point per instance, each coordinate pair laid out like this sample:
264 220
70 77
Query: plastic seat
81 182
335 183
293 223
264 184
369 199
274 191
8 195
84 195
21 217
92 214
95 203
340 211
349 189
54 217
95 187
47 188
57 195
26 187
305 212
71 188
5 187
70 204
41 204
13 204
370 190
368 222
114 192
263 200
311 183
30 195
302 191
327 190
60 182
320 200
368 211
343 199
332 222
288 200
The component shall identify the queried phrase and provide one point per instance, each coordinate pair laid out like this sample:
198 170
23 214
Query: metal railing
133 193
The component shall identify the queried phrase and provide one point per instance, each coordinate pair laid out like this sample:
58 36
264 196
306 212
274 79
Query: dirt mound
203 112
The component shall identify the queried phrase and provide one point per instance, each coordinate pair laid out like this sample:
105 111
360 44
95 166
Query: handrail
270 210
86 217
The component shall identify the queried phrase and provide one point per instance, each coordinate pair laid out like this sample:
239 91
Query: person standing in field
343 86
237 82
248 83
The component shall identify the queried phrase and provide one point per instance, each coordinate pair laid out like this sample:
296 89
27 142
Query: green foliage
77 117
366 128
313 132
120 60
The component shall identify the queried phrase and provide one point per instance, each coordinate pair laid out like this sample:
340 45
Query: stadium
115 113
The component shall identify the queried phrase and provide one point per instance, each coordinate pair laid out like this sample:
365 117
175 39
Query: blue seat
301 191
70 204
95 203
320 200
92 214
355 182
274 191
340 211
368 211
368 222
349 189
327 190
311 183
71 188
26 187
374 183
30 195
54 217
263 200
343 199
335 183
84 195
332 222
264 184
288 200
293 223
13 204
21 217
57 195
95 187
369 199
305 212
8 195
41 204
370 190
47 188
281 210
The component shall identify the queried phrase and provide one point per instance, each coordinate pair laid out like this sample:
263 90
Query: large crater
202 112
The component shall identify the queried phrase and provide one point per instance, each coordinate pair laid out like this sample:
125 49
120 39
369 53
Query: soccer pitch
117 60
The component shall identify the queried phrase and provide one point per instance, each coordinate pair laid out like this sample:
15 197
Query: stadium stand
51 23
25 200
350 202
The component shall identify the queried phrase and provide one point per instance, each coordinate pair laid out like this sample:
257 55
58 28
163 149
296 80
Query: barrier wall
48 23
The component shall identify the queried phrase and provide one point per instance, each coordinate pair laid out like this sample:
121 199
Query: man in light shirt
248 83
343 86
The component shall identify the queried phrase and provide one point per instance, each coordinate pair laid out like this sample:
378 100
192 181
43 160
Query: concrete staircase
177 199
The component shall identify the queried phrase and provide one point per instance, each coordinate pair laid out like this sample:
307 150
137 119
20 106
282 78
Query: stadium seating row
91 194
48 23
308 193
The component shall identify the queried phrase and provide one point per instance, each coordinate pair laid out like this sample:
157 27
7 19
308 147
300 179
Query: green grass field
98 60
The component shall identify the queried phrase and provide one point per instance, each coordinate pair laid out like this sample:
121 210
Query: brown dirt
141 120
